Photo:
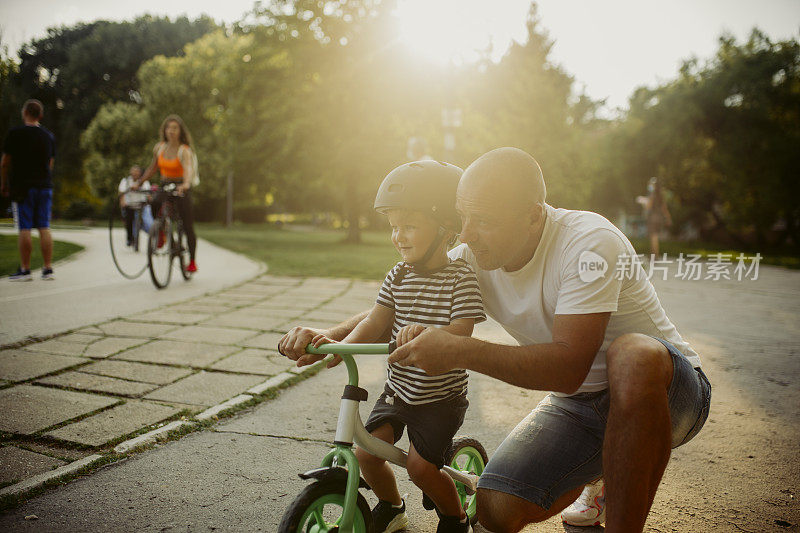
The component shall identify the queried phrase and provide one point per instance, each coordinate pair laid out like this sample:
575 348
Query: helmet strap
419 266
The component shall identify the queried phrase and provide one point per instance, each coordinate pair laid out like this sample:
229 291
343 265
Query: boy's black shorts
431 426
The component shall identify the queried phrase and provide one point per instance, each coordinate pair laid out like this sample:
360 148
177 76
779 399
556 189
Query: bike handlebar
352 349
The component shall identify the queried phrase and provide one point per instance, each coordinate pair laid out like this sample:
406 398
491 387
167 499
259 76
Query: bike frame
350 428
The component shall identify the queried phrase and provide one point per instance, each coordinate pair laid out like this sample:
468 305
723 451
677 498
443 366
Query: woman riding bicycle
173 156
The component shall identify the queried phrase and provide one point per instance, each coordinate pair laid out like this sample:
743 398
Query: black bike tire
183 252
152 240
116 216
313 492
459 443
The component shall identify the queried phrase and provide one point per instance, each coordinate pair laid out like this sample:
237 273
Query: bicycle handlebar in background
352 349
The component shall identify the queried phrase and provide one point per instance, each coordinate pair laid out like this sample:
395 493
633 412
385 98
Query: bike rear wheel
130 262
182 251
159 252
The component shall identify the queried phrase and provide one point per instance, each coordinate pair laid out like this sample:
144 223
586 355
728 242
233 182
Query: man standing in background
26 173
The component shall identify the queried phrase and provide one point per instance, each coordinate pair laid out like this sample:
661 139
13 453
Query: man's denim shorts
559 445
34 210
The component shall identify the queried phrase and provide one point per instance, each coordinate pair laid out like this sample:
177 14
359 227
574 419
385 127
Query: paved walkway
88 288
80 393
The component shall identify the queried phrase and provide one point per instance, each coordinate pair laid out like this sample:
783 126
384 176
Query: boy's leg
377 471
435 483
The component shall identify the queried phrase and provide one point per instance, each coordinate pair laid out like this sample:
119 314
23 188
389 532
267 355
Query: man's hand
435 351
321 339
293 345
135 185
181 188
408 333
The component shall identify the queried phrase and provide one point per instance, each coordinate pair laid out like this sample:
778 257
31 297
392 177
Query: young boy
424 290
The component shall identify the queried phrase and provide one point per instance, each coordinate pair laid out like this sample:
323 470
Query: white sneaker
590 507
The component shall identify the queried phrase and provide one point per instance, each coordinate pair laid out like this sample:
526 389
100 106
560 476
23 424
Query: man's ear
536 214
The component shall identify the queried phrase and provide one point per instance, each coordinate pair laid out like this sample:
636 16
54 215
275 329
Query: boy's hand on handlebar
408 333
321 339
293 345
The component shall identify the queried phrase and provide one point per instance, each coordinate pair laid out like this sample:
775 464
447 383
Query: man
626 387
26 173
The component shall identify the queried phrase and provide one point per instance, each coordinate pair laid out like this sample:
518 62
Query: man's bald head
509 175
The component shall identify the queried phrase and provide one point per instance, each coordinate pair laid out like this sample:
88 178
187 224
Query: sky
610 47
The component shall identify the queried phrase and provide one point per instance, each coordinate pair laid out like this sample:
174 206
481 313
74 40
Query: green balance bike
333 502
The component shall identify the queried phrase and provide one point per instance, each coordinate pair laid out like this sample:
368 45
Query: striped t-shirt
433 299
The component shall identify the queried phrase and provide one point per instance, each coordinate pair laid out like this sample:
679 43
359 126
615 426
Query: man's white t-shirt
566 276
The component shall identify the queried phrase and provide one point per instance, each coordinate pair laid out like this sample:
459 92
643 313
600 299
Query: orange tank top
169 168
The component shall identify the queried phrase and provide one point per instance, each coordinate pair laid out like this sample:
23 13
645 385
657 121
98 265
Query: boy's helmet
427 186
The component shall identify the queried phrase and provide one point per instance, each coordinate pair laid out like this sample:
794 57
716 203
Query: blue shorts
559 445
34 210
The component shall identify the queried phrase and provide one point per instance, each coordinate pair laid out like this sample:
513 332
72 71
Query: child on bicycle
425 289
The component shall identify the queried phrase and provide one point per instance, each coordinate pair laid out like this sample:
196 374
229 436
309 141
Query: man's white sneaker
590 507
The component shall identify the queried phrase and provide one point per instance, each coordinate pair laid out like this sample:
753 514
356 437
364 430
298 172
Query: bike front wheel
318 508
467 455
124 246
159 252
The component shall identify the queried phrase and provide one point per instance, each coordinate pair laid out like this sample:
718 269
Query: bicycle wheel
318 508
159 252
468 455
182 251
130 263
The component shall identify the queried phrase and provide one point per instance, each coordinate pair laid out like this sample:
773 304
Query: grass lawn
300 252
9 253
308 252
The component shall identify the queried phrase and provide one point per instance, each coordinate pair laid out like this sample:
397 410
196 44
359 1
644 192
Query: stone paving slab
217 301
16 464
95 383
19 365
240 298
125 328
57 346
114 423
330 317
284 281
90 330
170 317
243 318
300 301
254 361
27 409
210 334
108 346
80 338
267 341
205 388
209 309
157 374
177 353
256 288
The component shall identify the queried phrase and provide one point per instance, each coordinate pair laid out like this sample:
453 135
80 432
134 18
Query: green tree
74 70
722 137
